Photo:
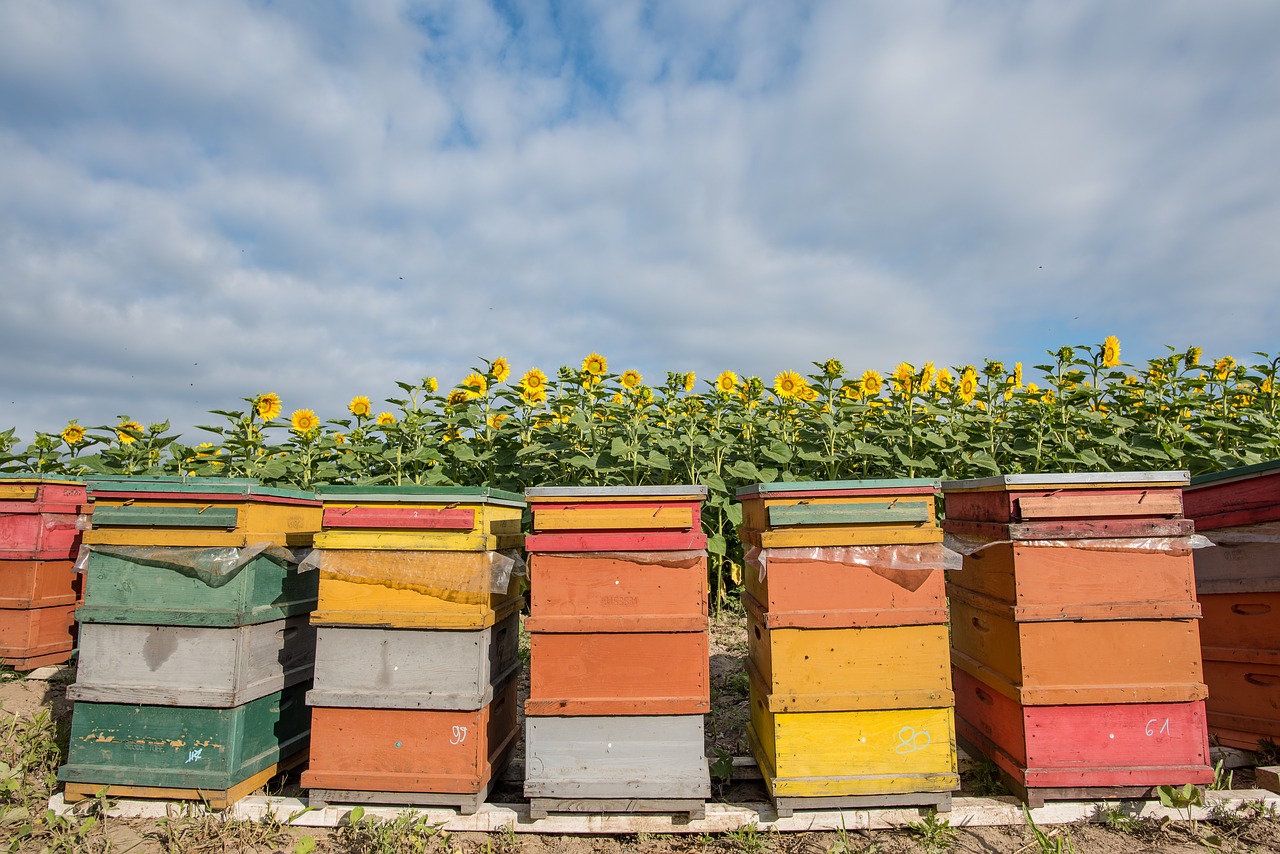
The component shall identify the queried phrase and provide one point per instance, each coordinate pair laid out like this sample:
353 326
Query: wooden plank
192 512
1238 568
146 516
839 488
28 634
694 808
1240 620
465 803
937 801
1184 609
840 535
578 494
1236 497
801 593
425 540
615 593
610 541
851 513
414 494
18 491
1084 529
1245 692
1268 777
616 757
682 516
216 799
395 517
1096 506
217 667
28 584
194 538
39 536
628 673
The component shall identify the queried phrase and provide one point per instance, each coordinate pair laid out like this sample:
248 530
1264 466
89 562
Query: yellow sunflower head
832 368
533 379
1193 356
617 397
1223 367
595 365
852 391
73 434
944 380
727 382
495 419
304 421
927 374
125 431
475 386
533 395
631 379
872 382
1017 375
689 379
1111 351
386 419
786 384
457 397
500 370
807 393
968 388
430 384
339 438
1266 386
904 377
359 406
1033 390
268 406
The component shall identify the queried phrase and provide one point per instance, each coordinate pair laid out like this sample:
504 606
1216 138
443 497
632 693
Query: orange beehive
617 592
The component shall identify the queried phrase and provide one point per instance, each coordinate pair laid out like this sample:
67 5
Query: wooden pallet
467 803
939 801
695 808
214 798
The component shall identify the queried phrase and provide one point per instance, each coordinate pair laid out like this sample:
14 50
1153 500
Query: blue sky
202 201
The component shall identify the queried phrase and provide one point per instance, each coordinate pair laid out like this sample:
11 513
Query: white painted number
909 740
1152 729
459 735
193 755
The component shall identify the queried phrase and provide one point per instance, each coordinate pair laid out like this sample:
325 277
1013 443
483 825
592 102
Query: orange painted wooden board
38 536
1241 496
618 516
1079 662
1246 696
1240 620
615 541
840 669
35 632
617 593
623 673
1021 506
37 583
414 750
1238 568
1138 744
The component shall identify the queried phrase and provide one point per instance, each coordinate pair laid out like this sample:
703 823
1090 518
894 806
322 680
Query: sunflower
617 397
268 406
904 377
430 384
807 393
872 382
631 379
457 397
786 384
832 368
359 406
727 382
968 388
1048 396
1111 351
595 365
533 379
1193 356
475 386
927 374
385 419
1033 391
1223 368
943 380
339 438
500 370
1017 375
534 395
852 391
304 421
689 379
1266 386
125 430
73 434
495 419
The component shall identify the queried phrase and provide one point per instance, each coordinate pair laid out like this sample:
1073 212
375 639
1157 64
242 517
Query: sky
207 200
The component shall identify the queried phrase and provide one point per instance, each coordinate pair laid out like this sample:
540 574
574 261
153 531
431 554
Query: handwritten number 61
1151 728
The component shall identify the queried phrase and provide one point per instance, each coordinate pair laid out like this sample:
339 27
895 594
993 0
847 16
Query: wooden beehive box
842 669
1248 495
215 667
411 589
619 673
1084 746
839 513
423 518
616 518
411 750
820 754
199 512
37 583
39 517
148 748
617 592
653 757
156 590
35 637
359 667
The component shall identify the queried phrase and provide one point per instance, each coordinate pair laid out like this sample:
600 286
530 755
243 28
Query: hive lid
415 494
27 477
1238 473
229 487
1078 480
805 488
568 493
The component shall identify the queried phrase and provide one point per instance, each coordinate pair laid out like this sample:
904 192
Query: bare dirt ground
35 715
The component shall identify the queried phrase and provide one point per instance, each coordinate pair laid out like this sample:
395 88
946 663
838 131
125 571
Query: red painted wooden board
37 583
1044 504
1070 530
614 593
31 496
411 750
1138 744
615 541
625 673
38 536
815 594
1056 583
1240 620
414 518
1229 502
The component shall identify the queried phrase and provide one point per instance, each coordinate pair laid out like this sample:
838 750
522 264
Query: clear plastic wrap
1261 532
887 560
445 575
214 566
1171 545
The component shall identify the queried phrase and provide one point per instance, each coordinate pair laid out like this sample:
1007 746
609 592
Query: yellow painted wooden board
588 518
345 601
755 511
851 668
251 515
841 535
417 540
17 492
489 518
192 537
822 754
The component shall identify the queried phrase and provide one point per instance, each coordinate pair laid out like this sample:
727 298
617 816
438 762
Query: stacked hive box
414 699
38 544
195 650
1238 585
620 671
851 701
1074 645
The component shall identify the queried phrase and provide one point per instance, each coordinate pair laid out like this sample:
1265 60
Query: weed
407 832
983 779
747 839
1222 778
1117 819
722 768
1268 752
193 827
740 684
1054 842
933 833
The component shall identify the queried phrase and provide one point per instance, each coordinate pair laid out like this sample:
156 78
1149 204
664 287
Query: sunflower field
1085 410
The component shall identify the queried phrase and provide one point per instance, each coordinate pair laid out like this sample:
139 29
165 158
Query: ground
34 716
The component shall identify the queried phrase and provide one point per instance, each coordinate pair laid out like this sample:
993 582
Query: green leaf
716 545
659 461
744 470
